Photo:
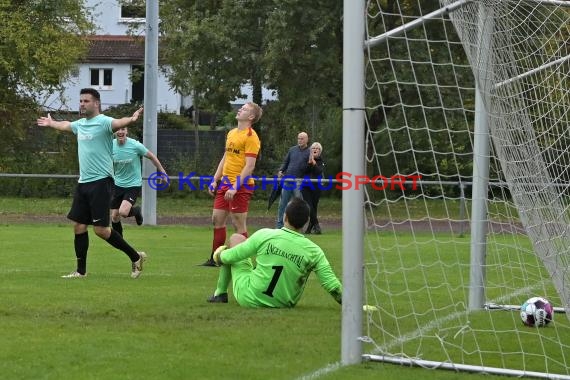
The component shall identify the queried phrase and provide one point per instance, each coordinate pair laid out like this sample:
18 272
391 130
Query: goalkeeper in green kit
284 260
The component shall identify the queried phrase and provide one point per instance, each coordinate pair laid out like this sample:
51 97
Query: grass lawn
108 326
329 207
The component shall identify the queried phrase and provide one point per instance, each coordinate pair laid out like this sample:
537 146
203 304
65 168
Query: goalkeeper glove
218 253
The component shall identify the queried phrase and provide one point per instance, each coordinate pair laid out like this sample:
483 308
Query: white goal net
467 144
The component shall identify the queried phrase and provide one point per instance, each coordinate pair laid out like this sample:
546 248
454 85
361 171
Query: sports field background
108 326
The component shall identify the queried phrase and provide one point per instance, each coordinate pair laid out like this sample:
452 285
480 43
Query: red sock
219 238
244 234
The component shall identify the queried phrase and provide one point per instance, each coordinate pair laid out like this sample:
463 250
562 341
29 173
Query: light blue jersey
127 162
94 147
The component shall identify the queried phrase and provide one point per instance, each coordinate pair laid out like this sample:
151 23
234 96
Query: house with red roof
114 63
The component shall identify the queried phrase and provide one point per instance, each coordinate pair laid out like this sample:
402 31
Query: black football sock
118 242
118 226
81 243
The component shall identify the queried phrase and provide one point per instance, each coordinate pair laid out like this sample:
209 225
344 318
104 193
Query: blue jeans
286 196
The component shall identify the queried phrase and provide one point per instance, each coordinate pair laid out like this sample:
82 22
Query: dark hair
92 92
297 212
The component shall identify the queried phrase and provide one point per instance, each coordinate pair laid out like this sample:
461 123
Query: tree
40 42
291 46
213 48
303 57
304 52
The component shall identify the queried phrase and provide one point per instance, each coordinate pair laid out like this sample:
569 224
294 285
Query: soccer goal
472 100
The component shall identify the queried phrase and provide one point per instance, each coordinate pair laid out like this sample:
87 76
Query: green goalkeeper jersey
284 261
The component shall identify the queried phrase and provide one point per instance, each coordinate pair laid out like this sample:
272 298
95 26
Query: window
102 78
130 10
137 79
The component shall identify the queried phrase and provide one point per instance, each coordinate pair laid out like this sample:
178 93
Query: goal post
481 162
472 99
352 210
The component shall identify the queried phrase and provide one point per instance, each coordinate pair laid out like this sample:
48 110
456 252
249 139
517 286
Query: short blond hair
256 111
317 145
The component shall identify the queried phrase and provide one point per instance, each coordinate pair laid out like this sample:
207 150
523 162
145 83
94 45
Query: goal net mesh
424 71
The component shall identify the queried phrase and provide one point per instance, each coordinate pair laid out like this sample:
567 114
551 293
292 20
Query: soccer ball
536 311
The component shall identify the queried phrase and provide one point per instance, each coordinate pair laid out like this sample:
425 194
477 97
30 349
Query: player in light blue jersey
127 154
92 197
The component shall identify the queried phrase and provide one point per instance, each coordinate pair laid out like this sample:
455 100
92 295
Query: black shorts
91 202
120 194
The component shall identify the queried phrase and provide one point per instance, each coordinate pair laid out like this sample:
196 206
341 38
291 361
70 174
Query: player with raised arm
92 197
284 260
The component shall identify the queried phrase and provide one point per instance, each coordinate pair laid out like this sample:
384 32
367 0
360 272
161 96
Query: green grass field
329 208
108 326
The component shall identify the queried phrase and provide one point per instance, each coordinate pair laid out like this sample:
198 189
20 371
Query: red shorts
239 204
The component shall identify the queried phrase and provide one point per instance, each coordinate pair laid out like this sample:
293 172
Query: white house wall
107 17
120 93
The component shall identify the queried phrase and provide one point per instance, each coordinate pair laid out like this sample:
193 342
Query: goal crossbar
417 22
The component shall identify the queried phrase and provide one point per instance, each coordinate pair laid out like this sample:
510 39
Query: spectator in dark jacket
312 194
294 166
